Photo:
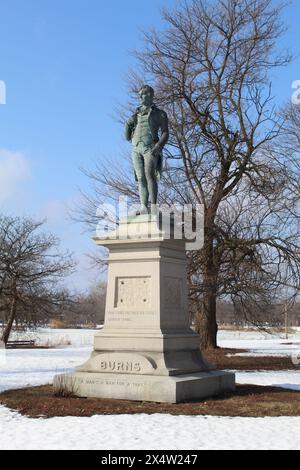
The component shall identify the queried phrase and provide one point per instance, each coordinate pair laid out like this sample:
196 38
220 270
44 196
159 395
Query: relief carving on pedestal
133 292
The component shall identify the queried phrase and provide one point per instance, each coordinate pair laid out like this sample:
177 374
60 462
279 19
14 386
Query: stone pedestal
147 350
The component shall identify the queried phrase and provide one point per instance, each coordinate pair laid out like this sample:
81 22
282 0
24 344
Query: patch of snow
155 432
20 368
254 354
25 367
257 335
283 379
258 343
45 336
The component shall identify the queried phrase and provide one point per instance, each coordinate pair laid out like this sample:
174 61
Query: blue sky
64 63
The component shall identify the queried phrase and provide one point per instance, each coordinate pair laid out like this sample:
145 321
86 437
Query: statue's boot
144 196
154 209
143 210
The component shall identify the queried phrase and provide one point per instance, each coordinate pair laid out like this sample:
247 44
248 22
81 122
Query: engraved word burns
120 366
123 363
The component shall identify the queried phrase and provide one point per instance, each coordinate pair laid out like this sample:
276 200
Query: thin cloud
14 171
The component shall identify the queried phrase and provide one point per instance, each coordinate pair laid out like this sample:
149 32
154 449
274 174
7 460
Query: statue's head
146 95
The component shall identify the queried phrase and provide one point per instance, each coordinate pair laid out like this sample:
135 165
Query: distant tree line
86 310
273 315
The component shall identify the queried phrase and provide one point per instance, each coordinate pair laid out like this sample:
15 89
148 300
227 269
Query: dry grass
246 401
65 387
56 324
57 342
227 359
237 328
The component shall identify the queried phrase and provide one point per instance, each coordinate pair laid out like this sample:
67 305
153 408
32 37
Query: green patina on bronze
148 131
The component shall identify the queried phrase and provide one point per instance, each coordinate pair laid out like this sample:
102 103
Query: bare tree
210 68
31 268
87 309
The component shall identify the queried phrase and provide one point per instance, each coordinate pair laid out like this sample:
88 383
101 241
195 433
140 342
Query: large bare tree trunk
206 321
10 321
206 318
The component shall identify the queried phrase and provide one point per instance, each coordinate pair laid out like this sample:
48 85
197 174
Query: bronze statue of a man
148 131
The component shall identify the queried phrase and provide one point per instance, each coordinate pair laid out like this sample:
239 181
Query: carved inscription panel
133 293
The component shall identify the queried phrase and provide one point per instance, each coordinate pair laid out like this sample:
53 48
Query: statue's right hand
156 150
129 129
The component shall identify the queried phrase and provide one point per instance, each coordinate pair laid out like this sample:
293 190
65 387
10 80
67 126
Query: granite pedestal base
147 350
161 389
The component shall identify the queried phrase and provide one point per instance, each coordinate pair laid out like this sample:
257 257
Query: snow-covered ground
127 432
22 368
19 368
263 344
259 343
57 337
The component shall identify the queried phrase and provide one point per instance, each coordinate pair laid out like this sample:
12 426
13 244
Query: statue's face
146 97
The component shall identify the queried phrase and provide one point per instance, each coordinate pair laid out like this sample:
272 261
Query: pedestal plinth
146 350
